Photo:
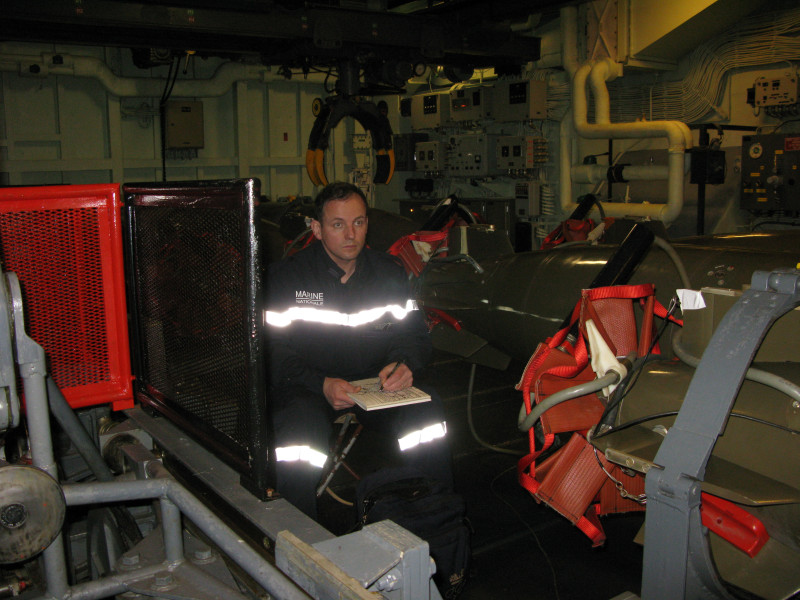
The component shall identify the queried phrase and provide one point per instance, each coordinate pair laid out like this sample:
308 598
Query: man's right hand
336 390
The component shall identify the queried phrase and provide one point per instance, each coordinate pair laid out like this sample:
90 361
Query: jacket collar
331 268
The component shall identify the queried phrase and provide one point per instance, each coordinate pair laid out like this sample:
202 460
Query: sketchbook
371 398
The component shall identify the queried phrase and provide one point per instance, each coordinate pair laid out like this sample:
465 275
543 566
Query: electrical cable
778 126
759 40
753 374
531 529
472 425
325 82
676 260
626 385
338 498
458 258
169 84
599 206
672 413
526 421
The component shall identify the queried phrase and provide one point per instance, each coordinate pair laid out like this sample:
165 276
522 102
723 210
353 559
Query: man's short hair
338 190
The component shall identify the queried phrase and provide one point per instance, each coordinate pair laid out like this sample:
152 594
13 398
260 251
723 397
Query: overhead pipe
677 134
228 73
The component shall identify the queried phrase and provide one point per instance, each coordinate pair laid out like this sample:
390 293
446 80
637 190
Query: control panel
776 91
520 100
430 157
430 111
471 155
470 103
771 173
518 154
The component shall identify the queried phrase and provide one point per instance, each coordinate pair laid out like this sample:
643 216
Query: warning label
791 143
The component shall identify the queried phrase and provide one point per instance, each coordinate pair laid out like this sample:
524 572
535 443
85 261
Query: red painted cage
65 245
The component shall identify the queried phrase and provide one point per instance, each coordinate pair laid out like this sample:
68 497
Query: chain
638 498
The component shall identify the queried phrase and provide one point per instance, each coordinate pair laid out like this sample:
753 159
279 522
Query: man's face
343 230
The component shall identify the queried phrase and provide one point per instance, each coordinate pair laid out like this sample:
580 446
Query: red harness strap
568 364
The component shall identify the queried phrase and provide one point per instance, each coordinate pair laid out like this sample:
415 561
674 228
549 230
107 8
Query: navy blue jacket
304 353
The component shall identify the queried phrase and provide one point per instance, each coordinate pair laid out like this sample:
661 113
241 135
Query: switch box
430 111
470 103
184 127
518 154
431 157
776 91
526 200
471 156
771 173
404 145
520 100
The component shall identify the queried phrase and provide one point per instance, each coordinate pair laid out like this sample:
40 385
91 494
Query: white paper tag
691 299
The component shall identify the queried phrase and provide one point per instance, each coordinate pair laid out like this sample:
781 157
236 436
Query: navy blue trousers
301 417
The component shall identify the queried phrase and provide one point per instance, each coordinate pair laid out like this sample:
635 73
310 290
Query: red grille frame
65 245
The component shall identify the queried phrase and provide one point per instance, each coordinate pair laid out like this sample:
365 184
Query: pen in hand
392 372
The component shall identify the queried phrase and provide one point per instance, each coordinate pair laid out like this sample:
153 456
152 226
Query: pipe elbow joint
604 70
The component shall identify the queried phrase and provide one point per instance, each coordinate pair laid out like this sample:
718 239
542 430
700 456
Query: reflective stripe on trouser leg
422 436
301 453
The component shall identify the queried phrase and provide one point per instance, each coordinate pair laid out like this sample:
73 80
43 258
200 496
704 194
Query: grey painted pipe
266 575
753 374
525 422
78 435
38 419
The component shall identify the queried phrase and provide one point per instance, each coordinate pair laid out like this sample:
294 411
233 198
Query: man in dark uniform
338 312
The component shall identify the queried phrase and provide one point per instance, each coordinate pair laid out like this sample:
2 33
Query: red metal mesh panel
64 243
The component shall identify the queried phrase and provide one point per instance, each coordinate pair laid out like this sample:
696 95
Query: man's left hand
399 380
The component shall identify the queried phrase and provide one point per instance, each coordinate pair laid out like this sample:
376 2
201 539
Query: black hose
79 437
77 434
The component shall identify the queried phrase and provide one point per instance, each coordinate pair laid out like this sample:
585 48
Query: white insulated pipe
677 134
569 39
219 84
566 132
598 173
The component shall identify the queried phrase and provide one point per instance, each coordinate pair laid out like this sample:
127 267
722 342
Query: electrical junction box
470 103
430 111
771 173
526 200
431 157
517 154
776 91
184 125
404 145
519 100
471 156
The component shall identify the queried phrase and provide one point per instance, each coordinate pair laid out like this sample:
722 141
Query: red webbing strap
660 311
394 249
590 525
429 236
527 463
439 316
528 480
619 291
